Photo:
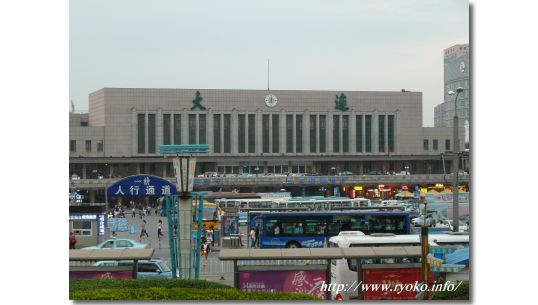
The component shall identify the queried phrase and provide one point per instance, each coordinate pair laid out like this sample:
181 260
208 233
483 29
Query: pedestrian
257 236
252 235
209 236
211 228
205 252
72 240
140 213
143 230
134 212
160 229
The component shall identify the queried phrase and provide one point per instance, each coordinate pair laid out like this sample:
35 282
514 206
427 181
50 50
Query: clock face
462 67
271 100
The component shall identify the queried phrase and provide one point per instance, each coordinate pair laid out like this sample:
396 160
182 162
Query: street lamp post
455 163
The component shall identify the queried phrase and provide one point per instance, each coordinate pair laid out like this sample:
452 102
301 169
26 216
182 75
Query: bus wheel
293 244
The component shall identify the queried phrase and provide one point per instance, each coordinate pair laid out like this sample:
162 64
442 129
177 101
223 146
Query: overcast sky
354 45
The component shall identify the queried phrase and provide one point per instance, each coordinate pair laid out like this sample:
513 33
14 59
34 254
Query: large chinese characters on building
141 185
304 281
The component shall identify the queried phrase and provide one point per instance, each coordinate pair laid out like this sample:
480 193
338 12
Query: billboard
392 277
79 275
230 225
303 281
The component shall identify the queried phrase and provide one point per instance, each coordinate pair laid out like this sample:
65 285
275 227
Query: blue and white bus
313 229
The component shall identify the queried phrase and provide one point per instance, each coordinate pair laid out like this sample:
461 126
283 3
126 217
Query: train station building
256 131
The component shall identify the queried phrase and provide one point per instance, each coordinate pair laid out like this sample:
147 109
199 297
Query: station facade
255 131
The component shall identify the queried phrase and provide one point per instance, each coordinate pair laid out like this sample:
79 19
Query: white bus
313 203
344 271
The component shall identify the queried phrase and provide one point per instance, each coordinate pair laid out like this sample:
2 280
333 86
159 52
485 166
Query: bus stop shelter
83 255
328 254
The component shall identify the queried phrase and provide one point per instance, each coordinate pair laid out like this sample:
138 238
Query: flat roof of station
319 253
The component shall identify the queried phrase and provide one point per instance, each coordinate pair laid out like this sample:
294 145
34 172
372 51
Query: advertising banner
79 275
446 198
230 225
303 281
392 277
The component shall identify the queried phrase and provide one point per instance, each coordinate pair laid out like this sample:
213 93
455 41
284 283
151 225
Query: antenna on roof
268 74
72 106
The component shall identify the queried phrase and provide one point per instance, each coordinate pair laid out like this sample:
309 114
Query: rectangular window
177 128
151 134
241 132
227 133
447 144
358 135
82 228
345 133
100 146
276 136
88 146
336 133
72 145
312 133
251 133
381 121
216 133
289 133
368 133
322 131
141 133
167 130
299 133
390 133
202 129
265 133
426 145
192 128
435 145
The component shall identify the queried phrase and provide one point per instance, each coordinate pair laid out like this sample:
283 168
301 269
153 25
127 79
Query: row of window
435 143
270 140
88 146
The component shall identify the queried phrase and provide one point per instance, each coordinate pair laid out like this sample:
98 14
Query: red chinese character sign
302 281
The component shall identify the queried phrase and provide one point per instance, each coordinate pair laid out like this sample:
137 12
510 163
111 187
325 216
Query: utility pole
455 164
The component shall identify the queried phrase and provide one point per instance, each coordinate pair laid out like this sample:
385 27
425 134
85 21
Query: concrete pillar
234 132
353 132
184 126
306 131
159 126
209 133
329 133
375 133
259 134
134 131
282 131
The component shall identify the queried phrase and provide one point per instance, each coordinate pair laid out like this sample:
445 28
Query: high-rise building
456 74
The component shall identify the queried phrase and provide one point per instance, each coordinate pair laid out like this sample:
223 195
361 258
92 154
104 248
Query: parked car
403 173
345 173
211 174
313 174
376 173
118 243
153 268
75 177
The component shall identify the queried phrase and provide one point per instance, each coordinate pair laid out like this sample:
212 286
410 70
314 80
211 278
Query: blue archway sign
141 185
